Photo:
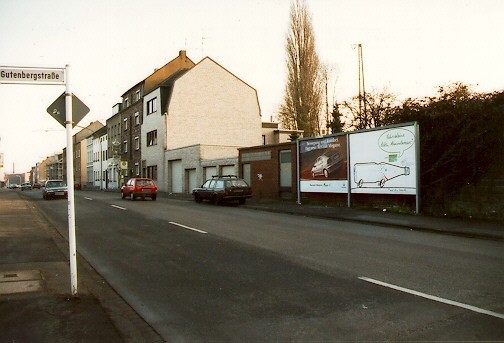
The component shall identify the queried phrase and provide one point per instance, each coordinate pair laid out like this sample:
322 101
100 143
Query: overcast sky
409 46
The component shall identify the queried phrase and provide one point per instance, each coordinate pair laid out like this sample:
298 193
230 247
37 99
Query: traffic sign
30 75
58 110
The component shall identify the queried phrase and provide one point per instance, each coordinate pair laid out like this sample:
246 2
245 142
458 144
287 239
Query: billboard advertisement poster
384 161
323 165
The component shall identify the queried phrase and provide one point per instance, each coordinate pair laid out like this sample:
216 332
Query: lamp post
116 159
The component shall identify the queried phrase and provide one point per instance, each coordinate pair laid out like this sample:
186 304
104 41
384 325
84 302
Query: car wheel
242 201
197 198
216 200
123 196
132 197
326 173
154 197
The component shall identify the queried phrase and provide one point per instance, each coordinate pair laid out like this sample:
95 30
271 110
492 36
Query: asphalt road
199 272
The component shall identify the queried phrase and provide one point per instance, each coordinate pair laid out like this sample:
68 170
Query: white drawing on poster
384 161
367 174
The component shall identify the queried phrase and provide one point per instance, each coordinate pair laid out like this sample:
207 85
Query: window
152 172
126 102
137 118
137 143
125 146
136 96
152 138
137 169
152 106
125 124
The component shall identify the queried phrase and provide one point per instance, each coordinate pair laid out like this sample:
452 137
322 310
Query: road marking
88 198
119 207
188 227
433 297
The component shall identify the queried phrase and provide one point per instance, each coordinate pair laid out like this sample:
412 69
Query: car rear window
145 183
56 184
236 183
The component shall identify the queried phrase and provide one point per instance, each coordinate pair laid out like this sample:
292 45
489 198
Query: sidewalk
35 294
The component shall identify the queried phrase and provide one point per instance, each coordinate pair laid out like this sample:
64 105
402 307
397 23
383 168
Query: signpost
30 76
58 109
63 105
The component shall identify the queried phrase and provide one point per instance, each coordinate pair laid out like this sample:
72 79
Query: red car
139 188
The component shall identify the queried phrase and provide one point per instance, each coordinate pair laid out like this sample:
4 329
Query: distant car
55 189
36 185
223 188
325 164
139 188
26 185
13 186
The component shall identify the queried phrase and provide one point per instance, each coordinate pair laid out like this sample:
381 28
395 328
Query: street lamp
116 160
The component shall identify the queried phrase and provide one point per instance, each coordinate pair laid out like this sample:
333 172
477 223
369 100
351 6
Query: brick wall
264 164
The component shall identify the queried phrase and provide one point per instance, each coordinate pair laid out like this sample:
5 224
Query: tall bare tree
302 105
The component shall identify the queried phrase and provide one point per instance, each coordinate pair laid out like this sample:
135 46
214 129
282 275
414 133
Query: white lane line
433 297
119 207
88 198
188 227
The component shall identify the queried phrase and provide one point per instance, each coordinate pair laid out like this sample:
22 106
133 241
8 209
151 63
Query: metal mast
362 88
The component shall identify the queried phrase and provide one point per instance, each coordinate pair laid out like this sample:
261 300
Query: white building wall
211 113
100 162
89 162
154 155
211 106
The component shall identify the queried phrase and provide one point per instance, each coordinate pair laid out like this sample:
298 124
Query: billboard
323 166
384 161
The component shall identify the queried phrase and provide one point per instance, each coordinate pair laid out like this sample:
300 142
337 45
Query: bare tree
302 104
378 105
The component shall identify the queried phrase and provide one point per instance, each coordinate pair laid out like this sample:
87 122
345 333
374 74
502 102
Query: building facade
195 122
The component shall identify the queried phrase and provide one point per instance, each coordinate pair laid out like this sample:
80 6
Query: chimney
182 54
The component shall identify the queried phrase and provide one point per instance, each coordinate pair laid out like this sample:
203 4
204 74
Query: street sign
58 111
65 110
31 75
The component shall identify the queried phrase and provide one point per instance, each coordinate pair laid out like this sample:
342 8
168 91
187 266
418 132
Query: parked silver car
26 186
55 189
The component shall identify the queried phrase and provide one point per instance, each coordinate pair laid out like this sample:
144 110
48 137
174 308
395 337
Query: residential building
114 148
194 123
100 158
80 153
271 134
131 114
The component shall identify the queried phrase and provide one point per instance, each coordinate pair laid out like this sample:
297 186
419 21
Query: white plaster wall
154 155
209 105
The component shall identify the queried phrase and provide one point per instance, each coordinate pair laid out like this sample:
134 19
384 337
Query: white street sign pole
70 184
55 76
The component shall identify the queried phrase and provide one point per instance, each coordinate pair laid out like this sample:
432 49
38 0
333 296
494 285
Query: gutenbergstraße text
35 75
29 76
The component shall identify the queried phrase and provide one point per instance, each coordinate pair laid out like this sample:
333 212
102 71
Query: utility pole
362 88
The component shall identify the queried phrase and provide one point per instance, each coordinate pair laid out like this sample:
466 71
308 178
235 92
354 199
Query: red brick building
270 170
